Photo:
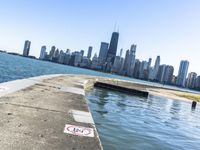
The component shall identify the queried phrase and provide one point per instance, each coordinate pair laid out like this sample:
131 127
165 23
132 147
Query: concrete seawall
49 112
35 112
132 91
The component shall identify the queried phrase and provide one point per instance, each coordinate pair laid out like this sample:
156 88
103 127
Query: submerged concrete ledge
137 92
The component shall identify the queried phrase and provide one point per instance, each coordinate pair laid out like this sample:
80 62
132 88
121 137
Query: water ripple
133 123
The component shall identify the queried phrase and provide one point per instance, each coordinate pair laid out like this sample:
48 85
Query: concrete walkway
50 113
34 113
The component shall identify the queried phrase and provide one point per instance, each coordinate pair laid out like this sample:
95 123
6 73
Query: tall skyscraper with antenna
112 50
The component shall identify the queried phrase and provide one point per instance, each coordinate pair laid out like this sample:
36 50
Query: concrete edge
89 84
20 84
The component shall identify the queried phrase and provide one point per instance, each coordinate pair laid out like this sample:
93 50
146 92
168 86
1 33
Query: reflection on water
135 123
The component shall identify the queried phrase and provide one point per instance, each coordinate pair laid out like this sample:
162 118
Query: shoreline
109 75
171 95
178 94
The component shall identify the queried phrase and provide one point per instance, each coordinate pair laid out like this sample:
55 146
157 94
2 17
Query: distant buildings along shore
108 61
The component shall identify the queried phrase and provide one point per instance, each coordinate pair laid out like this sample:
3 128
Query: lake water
127 122
124 122
17 67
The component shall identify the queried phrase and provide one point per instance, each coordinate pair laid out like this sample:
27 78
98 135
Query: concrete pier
35 111
50 113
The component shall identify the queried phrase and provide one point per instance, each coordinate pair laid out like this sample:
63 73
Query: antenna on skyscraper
118 29
115 27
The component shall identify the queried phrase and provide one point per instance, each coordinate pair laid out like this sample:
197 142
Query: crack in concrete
33 107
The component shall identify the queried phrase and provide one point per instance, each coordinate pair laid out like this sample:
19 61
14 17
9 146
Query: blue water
127 122
17 67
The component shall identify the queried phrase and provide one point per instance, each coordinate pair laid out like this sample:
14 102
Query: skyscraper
56 53
168 75
197 83
112 47
82 53
116 68
126 63
75 58
52 51
27 46
143 67
182 73
156 67
103 51
67 58
68 51
42 52
121 52
137 68
89 54
160 74
149 63
131 63
153 71
191 79
61 57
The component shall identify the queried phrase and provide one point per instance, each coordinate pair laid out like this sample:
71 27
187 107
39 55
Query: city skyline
154 64
158 28
108 61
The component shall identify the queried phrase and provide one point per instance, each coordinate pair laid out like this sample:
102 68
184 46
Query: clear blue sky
169 28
